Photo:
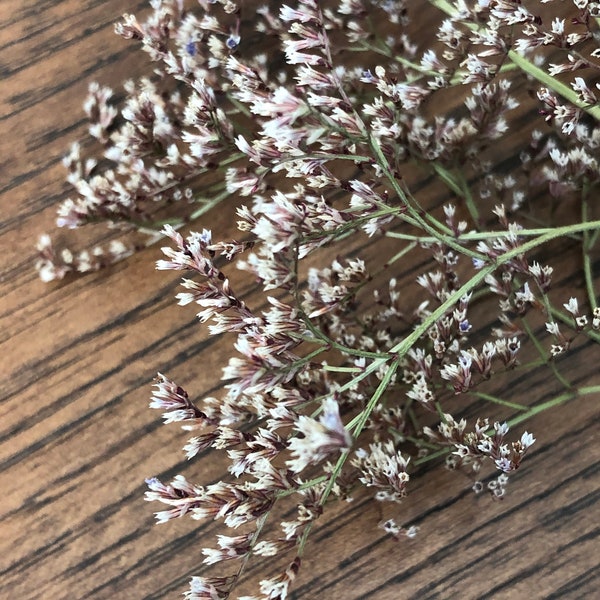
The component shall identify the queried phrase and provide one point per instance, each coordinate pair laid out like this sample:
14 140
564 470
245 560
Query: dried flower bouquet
328 117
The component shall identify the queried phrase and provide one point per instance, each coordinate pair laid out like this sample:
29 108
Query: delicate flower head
317 439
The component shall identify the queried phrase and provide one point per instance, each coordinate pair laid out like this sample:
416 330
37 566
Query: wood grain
78 358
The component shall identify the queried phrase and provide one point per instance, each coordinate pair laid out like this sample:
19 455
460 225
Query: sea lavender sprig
344 379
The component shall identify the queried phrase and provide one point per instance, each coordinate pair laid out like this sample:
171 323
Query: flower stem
497 400
586 246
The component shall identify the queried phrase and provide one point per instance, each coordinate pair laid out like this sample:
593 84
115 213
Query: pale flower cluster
383 311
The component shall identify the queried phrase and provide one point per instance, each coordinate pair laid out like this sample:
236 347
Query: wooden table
77 362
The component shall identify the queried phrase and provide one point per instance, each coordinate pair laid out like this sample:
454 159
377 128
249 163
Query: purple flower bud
190 48
233 41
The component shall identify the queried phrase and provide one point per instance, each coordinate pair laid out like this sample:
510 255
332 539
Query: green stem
543 355
457 183
260 523
497 400
540 349
208 204
585 250
474 235
420 442
359 422
333 344
557 401
334 369
399 254
305 485
414 421
442 233
430 457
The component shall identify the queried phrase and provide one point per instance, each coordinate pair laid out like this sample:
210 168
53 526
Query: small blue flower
190 48
464 326
233 41
367 76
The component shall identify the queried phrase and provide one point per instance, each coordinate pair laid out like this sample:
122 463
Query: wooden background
78 357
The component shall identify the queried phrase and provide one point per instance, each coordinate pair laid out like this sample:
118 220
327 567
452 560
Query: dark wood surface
77 361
